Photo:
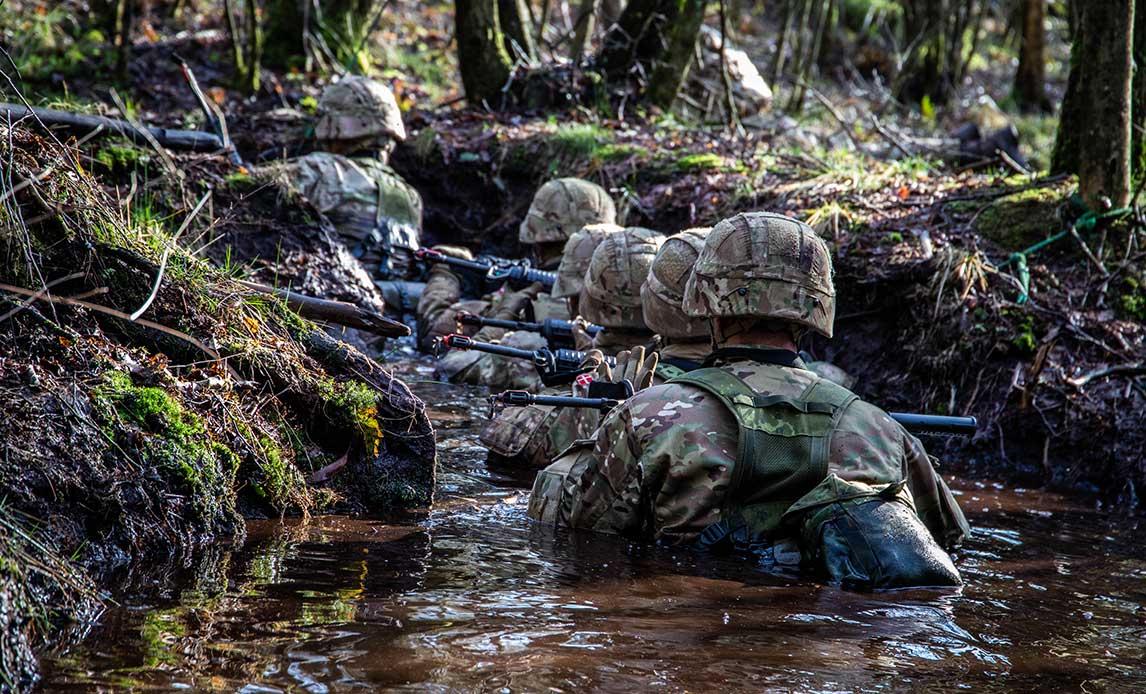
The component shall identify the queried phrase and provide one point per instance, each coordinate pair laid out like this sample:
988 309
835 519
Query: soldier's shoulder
863 416
657 409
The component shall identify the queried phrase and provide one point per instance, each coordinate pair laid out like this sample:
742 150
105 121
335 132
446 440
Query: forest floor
933 315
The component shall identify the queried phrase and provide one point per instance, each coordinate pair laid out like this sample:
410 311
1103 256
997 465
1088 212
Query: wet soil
471 597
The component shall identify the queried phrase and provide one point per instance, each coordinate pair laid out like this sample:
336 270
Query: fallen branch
1129 369
339 312
192 140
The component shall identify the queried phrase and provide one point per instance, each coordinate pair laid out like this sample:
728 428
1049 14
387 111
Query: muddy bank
151 403
930 317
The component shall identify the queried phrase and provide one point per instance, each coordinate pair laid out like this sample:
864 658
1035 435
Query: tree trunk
583 28
653 39
1094 129
482 56
512 14
1138 96
1030 80
286 25
940 33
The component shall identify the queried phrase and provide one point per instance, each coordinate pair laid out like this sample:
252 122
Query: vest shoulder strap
669 372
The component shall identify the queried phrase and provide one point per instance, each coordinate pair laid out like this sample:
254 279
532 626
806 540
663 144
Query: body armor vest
782 452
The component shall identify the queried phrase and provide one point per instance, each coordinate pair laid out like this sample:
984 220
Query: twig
44 290
847 127
27 182
1130 369
167 253
1086 251
120 314
885 134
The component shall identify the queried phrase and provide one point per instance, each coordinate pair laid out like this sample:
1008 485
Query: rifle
558 333
937 425
554 366
517 273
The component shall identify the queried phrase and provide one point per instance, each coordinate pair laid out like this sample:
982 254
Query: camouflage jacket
659 466
374 210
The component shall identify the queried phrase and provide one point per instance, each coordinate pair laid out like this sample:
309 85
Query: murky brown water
470 597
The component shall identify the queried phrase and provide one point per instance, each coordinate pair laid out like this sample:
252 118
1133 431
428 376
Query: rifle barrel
936 424
520 398
463 342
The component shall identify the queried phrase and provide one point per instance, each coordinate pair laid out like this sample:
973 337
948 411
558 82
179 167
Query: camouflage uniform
377 214
757 452
559 209
532 436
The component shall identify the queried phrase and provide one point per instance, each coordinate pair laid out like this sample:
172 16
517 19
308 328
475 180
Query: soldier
610 297
575 261
755 452
376 213
559 209
683 341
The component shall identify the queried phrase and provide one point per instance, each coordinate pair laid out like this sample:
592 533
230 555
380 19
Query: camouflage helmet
361 110
663 290
764 265
612 293
563 206
576 256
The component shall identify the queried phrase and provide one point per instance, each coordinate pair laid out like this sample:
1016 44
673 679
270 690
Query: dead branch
339 312
1128 369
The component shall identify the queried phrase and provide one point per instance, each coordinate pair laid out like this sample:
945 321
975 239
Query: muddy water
470 597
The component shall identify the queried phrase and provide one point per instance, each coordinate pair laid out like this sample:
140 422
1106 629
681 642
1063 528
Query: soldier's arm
871 447
934 503
443 290
658 469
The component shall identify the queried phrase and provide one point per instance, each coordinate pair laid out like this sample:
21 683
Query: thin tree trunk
583 28
1138 96
254 46
511 15
1030 80
1095 127
482 55
681 34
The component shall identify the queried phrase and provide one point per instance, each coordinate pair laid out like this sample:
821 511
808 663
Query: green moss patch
177 442
1017 221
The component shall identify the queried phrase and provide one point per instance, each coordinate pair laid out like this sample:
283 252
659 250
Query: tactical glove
582 340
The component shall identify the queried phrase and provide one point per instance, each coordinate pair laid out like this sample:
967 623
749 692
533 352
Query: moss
178 443
580 141
281 481
1132 302
116 157
1017 221
698 162
355 406
239 179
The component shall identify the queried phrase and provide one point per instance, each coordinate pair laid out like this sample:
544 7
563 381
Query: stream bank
151 403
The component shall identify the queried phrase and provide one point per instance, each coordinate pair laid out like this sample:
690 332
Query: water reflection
471 597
